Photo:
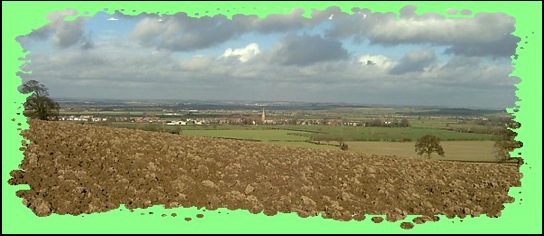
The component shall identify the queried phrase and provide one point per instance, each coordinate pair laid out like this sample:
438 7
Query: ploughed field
75 169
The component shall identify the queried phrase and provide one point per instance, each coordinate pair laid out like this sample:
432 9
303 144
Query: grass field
454 150
277 137
334 133
261 135
359 133
373 140
346 133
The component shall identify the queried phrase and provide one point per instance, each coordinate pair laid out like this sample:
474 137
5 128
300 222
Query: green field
261 135
392 134
332 133
454 150
372 140
278 137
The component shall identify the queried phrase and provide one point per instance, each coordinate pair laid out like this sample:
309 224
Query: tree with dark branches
429 144
38 105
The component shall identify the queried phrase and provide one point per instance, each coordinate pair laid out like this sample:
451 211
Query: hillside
75 169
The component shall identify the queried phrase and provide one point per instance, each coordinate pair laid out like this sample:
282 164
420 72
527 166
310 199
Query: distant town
253 118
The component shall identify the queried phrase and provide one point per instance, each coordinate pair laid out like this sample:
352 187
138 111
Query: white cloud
63 33
485 34
296 67
197 63
113 19
243 54
415 61
380 61
305 49
161 74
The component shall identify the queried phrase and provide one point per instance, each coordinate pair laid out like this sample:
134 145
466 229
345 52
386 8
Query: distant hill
453 112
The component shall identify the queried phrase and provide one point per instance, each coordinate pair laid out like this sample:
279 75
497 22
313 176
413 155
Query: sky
360 56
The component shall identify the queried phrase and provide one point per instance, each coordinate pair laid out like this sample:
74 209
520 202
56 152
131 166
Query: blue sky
357 57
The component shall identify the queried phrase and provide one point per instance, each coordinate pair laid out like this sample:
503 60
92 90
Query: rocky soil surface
76 169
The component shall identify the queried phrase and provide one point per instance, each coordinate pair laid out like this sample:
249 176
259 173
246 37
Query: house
177 123
269 122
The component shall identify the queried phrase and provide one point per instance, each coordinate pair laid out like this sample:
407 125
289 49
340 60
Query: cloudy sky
361 56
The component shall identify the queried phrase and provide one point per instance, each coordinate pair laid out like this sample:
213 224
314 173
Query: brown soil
377 219
406 225
80 169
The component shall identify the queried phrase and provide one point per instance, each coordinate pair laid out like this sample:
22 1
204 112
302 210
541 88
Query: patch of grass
261 135
387 134
304 132
455 150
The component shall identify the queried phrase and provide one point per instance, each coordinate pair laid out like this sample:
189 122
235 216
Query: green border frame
522 216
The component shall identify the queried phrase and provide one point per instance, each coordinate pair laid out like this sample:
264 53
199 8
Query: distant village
248 120
221 121
398 121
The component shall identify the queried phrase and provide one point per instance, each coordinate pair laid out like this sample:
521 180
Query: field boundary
239 139
513 161
299 130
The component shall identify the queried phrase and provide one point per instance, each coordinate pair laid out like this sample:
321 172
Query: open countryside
456 150
465 134
339 115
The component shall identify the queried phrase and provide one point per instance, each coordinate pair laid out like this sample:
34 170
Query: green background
522 216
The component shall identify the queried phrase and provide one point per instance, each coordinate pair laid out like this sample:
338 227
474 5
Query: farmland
467 134
455 150
347 133
372 140
70 173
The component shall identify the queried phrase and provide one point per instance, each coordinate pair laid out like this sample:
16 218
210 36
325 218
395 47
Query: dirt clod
377 219
406 225
249 189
